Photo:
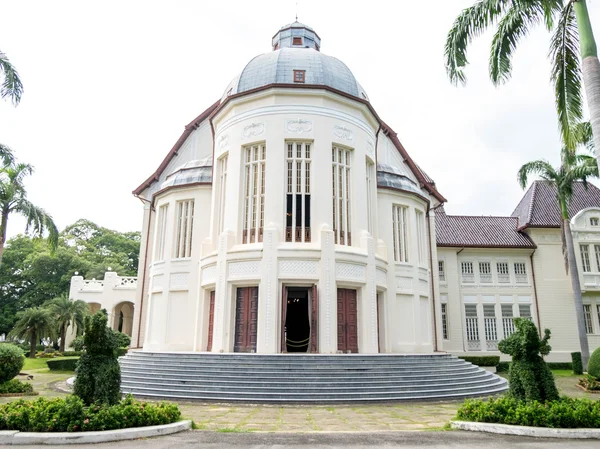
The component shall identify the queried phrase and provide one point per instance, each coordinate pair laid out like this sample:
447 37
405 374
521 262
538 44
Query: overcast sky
110 85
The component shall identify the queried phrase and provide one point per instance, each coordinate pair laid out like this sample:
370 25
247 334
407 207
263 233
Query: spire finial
296 11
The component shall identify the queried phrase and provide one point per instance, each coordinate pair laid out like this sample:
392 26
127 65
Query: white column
327 294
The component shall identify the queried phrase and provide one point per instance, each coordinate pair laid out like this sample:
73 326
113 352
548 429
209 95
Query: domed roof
296 59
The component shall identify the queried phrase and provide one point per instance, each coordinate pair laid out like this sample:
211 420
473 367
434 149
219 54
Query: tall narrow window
508 323
254 193
400 234
161 230
222 191
472 327
520 272
466 269
341 196
585 258
185 224
525 311
503 273
370 189
597 252
587 313
445 321
297 214
421 236
485 272
594 221
598 311
441 271
489 324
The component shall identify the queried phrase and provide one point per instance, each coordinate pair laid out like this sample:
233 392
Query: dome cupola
296 35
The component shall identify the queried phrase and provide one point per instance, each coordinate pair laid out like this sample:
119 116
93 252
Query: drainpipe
535 296
143 200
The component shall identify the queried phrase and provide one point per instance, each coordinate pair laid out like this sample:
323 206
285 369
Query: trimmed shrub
122 351
502 367
491 360
98 373
71 415
577 364
15 386
72 353
593 367
77 344
529 377
560 365
63 364
566 413
11 362
123 340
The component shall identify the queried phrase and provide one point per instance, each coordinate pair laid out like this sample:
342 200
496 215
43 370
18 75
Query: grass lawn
40 364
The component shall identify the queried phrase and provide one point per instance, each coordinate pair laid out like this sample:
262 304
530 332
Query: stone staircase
306 378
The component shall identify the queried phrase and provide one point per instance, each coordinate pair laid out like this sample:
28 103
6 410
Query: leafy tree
68 312
13 199
574 167
33 325
12 86
98 373
571 30
529 377
11 362
6 154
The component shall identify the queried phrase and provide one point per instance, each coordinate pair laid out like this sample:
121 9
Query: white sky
110 85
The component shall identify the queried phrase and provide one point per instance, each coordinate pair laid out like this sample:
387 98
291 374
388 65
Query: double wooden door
347 322
246 319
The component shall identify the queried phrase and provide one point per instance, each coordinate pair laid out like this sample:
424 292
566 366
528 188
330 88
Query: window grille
185 225
161 232
594 221
597 253
490 326
520 272
525 311
400 234
298 192
445 321
508 324
585 258
503 273
254 193
485 272
441 272
341 196
468 277
587 313
472 327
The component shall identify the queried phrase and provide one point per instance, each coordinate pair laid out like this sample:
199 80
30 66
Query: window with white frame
222 191
472 327
185 225
370 167
597 253
587 313
445 321
485 272
466 269
421 235
490 326
520 272
502 272
441 271
340 171
525 311
400 232
594 221
585 258
297 211
161 231
508 323
254 193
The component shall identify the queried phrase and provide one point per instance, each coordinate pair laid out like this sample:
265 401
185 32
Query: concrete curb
537 432
12 437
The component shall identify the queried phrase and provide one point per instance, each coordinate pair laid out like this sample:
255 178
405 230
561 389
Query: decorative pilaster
328 296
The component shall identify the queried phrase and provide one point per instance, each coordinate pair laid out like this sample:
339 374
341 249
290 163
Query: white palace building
288 217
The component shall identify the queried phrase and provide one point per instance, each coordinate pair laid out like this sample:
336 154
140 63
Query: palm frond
551 9
38 221
471 23
516 24
541 168
11 86
583 134
566 75
6 154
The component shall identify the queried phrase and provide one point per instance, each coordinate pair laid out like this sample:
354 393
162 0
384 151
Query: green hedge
72 353
15 386
577 363
503 367
71 415
565 413
63 364
490 360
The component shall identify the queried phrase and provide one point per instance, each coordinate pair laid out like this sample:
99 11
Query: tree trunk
32 346
590 69
63 337
576 284
3 222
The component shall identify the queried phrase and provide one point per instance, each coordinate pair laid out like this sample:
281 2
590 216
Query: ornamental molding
371 148
209 274
299 126
381 277
179 281
254 129
350 271
223 142
404 284
587 236
249 268
297 268
343 133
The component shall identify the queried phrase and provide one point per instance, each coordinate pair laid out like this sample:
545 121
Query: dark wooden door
347 320
246 319
314 321
211 321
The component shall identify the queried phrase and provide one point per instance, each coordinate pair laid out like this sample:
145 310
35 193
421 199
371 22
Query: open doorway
297 320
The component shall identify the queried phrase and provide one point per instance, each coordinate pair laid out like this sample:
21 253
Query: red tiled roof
539 206
479 232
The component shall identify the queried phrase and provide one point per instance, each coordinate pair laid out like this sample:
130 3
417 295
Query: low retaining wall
538 432
12 437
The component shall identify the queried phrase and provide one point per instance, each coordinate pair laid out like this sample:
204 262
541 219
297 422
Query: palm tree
574 167
13 198
33 325
572 33
6 155
11 86
67 312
